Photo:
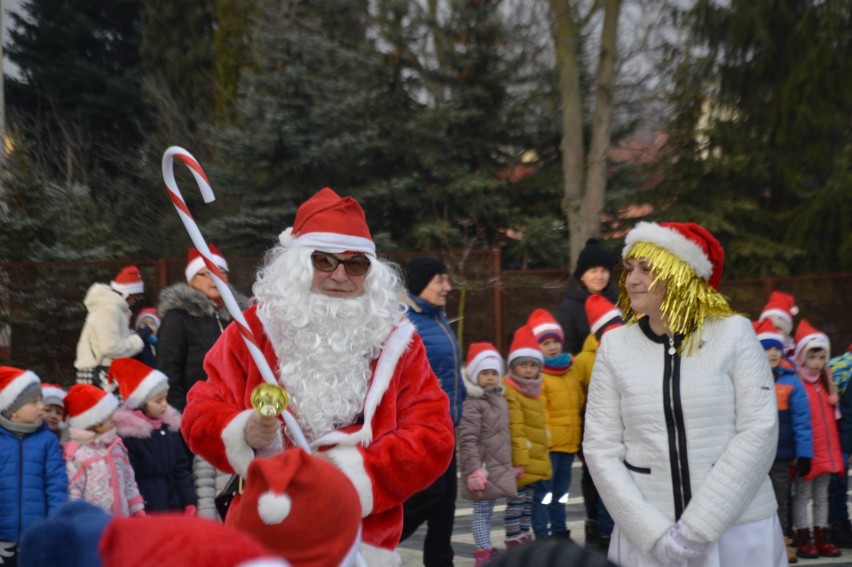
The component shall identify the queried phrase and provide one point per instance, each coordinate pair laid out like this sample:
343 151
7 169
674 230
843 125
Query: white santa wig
324 345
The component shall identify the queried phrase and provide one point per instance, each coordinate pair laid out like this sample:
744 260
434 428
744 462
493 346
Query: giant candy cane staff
269 399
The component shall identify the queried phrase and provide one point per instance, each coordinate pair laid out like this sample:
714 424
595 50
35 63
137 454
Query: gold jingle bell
269 400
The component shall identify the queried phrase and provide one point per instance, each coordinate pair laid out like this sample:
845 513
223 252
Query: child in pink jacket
98 467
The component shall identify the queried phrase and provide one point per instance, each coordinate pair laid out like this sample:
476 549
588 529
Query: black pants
437 507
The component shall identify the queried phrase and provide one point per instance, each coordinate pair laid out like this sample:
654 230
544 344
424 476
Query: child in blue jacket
150 429
795 435
33 483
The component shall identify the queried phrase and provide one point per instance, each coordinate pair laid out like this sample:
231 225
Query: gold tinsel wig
688 260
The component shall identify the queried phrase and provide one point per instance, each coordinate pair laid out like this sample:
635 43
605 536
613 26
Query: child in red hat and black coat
150 428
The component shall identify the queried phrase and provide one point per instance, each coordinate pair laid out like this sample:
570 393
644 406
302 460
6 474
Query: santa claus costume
359 382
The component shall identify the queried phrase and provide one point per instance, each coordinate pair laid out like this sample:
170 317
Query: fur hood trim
129 424
474 390
195 303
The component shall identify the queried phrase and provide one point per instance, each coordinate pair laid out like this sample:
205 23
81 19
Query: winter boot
481 557
791 553
592 532
823 546
804 548
841 534
512 542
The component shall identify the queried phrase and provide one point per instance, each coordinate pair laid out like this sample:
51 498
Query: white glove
6 550
674 547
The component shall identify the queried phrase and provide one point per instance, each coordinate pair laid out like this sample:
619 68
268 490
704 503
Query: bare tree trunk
593 199
583 190
566 40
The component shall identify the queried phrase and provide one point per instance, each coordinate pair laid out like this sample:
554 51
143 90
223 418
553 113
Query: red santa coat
405 444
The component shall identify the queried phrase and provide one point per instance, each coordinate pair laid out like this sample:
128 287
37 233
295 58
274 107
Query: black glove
147 335
803 467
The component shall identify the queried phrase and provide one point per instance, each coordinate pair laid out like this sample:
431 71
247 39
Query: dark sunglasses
354 266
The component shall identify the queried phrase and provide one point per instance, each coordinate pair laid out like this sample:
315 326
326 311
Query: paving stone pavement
411 549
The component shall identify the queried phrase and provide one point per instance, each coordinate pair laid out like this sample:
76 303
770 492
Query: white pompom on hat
13 381
87 405
330 223
280 504
128 281
783 305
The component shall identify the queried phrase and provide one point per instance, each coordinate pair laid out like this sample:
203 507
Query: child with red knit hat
98 466
812 351
150 429
485 449
563 397
528 428
33 484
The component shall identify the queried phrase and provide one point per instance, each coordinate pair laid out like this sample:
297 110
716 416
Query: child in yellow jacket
563 397
528 430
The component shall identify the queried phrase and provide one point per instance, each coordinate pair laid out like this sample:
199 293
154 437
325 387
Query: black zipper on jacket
675 426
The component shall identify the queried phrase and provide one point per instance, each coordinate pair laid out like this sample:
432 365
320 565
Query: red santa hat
601 313
137 381
781 305
808 338
483 356
128 281
524 345
13 382
690 242
768 335
87 405
195 261
173 539
52 395
147 312
330 223
544 326
301 508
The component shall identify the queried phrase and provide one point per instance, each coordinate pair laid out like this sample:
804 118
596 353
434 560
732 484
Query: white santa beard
324 347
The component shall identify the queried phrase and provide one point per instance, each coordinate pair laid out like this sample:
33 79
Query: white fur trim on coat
379 556
392 351
673 241
239 453
350 461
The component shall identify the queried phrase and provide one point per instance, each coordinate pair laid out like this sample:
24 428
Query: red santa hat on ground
330 223
808 338
87 405
195 261
524 345
768 335
137 382
781 305
13 382
690 242
544 326
483 356
128 281
601 314
172 539
302 508
147 312
52 395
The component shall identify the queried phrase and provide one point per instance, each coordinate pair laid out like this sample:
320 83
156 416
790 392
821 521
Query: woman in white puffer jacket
681 421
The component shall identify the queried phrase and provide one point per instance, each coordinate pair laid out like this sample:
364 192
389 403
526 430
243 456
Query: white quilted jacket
710 465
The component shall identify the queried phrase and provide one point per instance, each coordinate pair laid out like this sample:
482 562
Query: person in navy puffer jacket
33 482
428 284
